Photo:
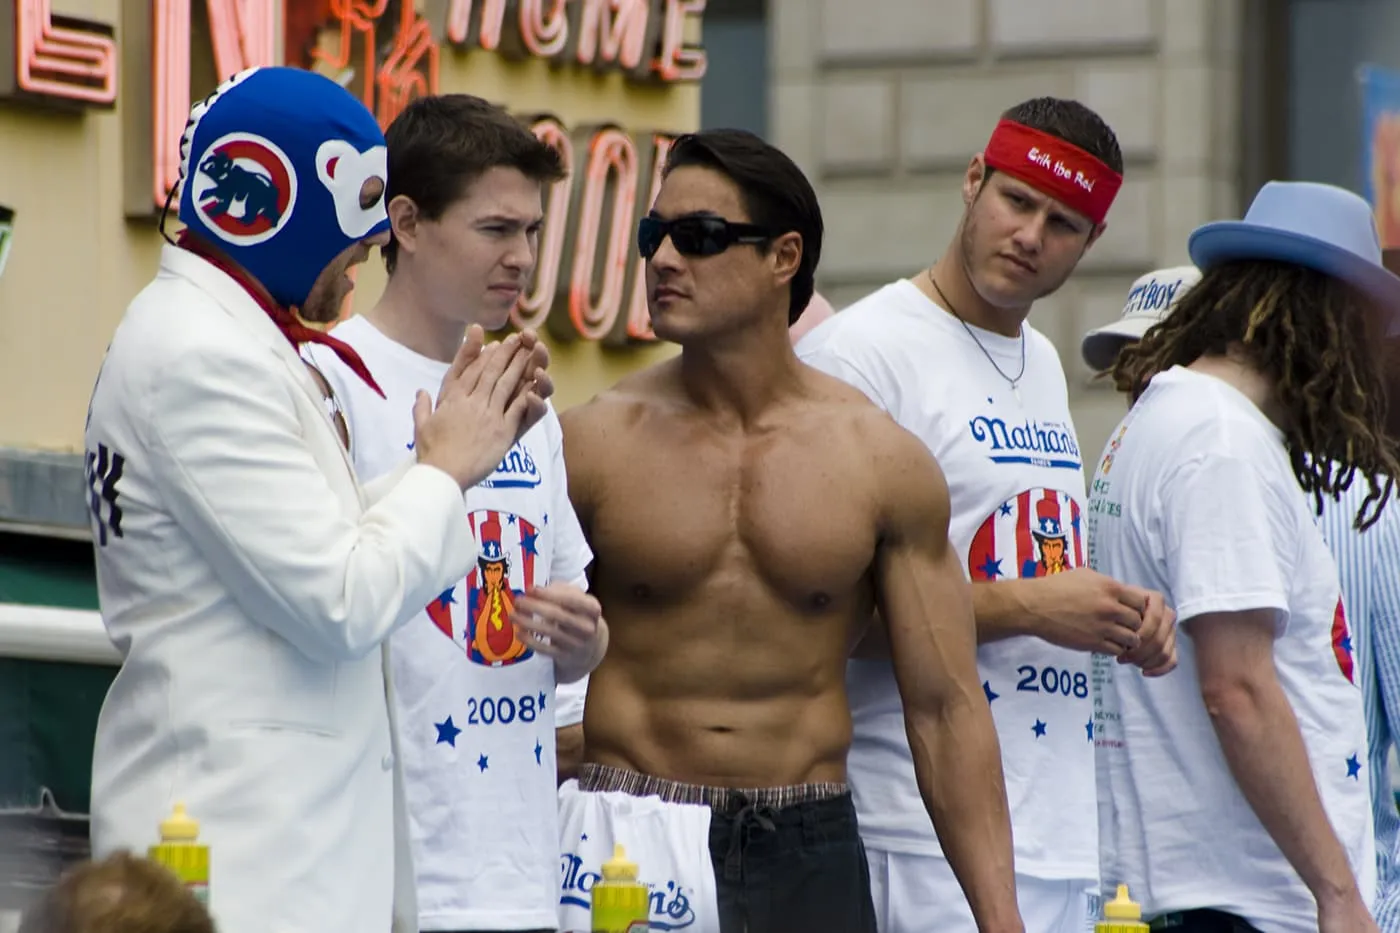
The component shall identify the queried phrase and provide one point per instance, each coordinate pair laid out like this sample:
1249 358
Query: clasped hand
492 394
1088 611
563 622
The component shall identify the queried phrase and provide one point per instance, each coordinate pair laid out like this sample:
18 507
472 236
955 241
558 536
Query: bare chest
692 511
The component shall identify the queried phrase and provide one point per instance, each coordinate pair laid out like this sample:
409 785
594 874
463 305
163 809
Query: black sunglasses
696 235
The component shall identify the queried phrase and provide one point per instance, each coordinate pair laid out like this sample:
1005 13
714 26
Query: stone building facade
882 102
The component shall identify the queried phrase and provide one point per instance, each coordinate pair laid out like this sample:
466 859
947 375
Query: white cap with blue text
1149 300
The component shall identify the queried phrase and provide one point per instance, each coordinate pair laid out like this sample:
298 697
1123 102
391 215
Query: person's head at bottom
283 176
732 242
1295 298
466 202
122 893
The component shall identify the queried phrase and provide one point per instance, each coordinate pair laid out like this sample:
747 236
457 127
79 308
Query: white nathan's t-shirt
1194 496
475 708
1017 490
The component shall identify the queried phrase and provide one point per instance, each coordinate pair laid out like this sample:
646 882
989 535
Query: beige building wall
882 102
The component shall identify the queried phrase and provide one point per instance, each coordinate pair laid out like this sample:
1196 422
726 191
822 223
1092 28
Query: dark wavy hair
1308 333
440 144
774 191
1074 123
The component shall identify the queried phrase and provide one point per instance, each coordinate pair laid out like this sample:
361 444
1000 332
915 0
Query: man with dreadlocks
1233 794
1368 565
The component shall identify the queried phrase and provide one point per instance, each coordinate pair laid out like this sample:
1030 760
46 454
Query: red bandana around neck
288 323
1049 164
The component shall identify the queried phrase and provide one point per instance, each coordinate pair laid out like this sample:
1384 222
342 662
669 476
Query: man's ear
972 179
1094 235
786 255
404 218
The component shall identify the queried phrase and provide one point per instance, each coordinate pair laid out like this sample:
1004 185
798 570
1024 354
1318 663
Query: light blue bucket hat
1317 226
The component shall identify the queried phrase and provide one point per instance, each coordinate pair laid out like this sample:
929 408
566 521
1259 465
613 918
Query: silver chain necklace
1015 383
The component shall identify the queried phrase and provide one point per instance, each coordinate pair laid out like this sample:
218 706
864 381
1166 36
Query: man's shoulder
868 325
848 420
173 331
1042 346
629 398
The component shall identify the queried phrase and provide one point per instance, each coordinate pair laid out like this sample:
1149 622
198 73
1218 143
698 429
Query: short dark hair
122 893
775 193
1074 123
440 144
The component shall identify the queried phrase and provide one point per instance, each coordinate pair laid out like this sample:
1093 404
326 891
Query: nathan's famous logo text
669 904
1047 443
517 470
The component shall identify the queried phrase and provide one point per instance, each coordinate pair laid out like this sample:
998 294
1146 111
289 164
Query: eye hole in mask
353 179
370 192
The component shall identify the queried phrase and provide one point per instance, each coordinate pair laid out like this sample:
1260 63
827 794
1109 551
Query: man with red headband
949 355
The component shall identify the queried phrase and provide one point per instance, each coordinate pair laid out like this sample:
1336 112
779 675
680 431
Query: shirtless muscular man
746 514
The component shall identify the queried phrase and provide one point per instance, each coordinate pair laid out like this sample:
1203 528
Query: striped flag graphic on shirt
1033 534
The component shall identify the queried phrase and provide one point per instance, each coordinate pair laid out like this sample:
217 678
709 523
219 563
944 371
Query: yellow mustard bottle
1121 915
179 851
620 903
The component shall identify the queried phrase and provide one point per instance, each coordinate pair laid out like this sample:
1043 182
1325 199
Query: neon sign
59 60
588 273
589 283
643 38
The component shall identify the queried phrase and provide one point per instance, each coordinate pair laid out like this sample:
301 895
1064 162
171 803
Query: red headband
1057 168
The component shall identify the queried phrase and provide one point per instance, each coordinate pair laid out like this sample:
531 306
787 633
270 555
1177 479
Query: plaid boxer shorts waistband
603 778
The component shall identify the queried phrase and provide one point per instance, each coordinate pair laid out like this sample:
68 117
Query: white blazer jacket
250 582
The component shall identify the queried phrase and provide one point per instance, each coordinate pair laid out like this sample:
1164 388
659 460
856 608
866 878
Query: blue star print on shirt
446 597
1089 728
1006 508
447 732
1038 728
1353 768
482 762
539 750
991 568
527 544
987 689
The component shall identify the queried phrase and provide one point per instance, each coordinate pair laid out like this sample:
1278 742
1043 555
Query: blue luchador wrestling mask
272 166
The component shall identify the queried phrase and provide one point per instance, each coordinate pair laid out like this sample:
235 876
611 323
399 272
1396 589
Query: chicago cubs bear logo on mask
243 189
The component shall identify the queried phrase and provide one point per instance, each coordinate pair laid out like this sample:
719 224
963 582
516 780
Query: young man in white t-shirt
949 355
1235 795
474 677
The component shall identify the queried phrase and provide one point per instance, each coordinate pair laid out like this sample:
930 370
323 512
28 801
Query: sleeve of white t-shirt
569 702
1228 542
828 355
572 555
